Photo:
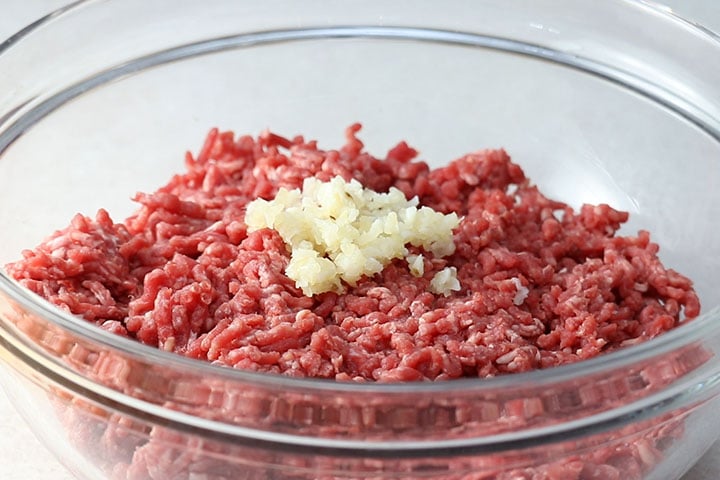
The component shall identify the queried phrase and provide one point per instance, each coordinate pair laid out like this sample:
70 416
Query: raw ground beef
542 285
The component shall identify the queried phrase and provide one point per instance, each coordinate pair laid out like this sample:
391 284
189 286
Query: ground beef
541 285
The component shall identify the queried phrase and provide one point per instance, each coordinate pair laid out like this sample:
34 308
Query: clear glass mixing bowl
612 101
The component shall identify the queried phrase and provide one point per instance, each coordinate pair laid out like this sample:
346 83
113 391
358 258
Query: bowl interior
580 137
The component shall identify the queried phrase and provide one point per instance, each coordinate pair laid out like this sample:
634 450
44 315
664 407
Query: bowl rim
686 333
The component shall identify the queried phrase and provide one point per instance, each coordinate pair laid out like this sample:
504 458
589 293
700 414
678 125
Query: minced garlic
339 231
445 281
416 264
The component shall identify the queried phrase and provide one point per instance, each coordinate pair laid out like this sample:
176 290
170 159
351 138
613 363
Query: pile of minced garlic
338 231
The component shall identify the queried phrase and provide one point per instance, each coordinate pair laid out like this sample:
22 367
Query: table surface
23 457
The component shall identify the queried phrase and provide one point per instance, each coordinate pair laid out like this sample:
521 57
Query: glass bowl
611 102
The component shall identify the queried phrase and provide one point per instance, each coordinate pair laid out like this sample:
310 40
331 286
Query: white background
23 457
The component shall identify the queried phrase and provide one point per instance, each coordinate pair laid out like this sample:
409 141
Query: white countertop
22 457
